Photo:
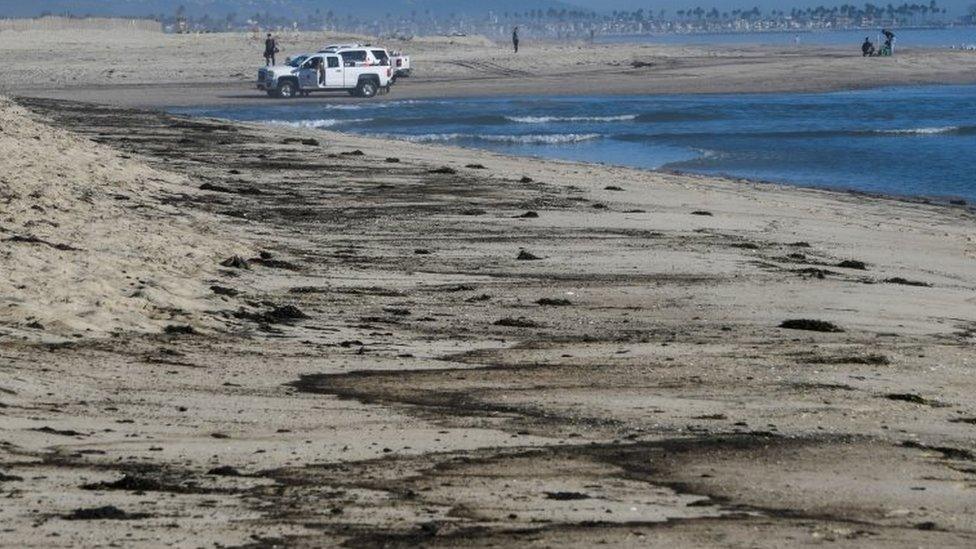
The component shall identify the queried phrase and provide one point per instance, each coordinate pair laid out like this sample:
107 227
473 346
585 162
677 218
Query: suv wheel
287 89
367 88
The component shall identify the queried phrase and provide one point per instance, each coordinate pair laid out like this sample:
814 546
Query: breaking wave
531 139
318 124
926 131
551 119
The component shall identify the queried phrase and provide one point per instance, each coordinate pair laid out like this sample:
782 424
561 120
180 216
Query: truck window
382 57
353 58
333 62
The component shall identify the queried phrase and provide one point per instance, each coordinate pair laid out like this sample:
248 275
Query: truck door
333 72
354 64
308 77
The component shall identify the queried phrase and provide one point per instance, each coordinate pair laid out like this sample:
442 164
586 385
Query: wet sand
436 346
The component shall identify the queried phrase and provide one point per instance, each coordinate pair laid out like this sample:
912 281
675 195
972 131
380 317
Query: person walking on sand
270 50
515 39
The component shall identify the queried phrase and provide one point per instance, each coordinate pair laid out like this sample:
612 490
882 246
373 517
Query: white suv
359 70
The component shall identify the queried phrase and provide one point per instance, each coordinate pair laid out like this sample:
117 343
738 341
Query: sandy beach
151 69
217 333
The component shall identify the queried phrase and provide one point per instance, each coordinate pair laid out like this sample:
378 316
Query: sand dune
90 245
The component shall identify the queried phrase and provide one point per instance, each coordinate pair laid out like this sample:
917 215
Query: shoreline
951 201
239 94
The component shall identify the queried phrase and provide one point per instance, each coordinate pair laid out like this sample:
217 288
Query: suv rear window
355 56
382 57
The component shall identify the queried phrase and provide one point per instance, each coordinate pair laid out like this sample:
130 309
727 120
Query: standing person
270 49
889 43
320 67
515 39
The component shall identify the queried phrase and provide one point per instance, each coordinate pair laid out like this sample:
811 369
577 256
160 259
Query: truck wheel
287 89
367 88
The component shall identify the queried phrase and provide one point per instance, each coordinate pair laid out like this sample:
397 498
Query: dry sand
388 372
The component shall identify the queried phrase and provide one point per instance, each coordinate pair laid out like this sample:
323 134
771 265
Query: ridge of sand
87 242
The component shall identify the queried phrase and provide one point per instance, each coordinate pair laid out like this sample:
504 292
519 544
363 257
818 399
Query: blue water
918 141
905 38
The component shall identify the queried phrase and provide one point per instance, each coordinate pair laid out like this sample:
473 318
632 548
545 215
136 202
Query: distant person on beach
320 69
515 39
888 48
270 50
867 48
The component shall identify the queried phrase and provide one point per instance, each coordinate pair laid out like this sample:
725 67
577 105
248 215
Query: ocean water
909 141
904 38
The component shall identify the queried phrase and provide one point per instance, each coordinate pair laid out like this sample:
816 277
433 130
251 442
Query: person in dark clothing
515 39
867 48
270 49
888 48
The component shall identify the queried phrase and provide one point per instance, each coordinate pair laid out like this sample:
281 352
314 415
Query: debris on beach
906 282
520 322
566 496
303 141
553 302
853 264
107 512
446 170
704 213
130 483
814 272
914 399
528 215
235 262
527 256
810 325
224 471
872 359
225 291
286 314
179 329
476 167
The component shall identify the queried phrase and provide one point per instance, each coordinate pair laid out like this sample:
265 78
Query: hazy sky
957 6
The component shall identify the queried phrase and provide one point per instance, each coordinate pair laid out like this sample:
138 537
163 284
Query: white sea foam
320 123
550 119
531 139
922 131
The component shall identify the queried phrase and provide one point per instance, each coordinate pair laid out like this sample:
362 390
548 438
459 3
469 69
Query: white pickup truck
401 64
362 71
